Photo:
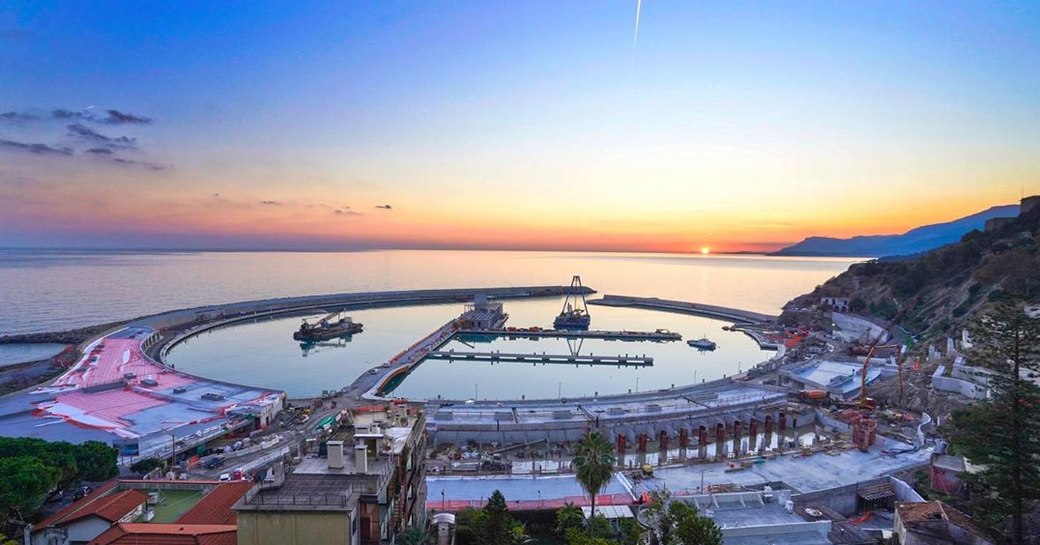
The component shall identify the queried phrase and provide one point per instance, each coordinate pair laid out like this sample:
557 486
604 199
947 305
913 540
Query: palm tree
568 516
519 535
594 464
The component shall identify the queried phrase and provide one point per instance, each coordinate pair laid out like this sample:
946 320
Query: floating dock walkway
685 307
623 360
658 336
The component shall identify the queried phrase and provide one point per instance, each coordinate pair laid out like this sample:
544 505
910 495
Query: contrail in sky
635 38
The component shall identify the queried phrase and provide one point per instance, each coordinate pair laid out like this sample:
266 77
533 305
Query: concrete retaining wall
963 387
842 499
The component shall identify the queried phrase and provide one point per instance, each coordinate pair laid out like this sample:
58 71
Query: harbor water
49 291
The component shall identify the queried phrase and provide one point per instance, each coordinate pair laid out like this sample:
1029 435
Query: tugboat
574 316
702 344
327 328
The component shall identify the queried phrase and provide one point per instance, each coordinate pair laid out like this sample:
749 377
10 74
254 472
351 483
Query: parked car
81 492
225 476
213 462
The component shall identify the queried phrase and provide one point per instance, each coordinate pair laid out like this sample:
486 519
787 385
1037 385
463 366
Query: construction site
801 426
798 433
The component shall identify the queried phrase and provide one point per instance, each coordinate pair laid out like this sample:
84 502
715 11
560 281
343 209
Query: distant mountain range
915 241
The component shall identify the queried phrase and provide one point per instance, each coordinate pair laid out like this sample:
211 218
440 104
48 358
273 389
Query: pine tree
498 527
1003 432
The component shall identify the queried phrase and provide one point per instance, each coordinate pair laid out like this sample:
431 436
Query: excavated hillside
935 295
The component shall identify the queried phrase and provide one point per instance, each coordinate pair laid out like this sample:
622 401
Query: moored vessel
702 344
574 315
327 327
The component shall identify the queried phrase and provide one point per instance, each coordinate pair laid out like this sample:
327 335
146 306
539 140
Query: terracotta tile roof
168 534
914 514
215 507
102 503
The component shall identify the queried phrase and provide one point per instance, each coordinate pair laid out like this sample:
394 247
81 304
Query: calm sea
45 291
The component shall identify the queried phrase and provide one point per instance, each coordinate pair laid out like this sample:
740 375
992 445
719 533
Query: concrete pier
657 336
625 360
685 307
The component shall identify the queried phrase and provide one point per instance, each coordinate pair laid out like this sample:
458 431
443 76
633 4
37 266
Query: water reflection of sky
264 354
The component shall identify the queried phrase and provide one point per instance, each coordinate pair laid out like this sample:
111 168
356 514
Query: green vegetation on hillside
1002 433
941 291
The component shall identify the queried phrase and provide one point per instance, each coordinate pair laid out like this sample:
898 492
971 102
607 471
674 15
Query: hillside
915 241
942 290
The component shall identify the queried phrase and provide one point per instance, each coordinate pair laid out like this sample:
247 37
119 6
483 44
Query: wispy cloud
346 212
87 142
88 135
144 164
384 206
111 117
116 117
34 148
271 203
20 117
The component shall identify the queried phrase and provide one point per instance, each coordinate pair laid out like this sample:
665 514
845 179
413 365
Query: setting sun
705 250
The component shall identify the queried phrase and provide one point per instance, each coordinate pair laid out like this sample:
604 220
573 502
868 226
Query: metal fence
257 496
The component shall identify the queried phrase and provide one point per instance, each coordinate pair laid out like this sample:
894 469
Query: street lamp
539 499
703 471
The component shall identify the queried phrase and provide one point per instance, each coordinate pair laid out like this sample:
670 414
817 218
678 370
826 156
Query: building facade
364 486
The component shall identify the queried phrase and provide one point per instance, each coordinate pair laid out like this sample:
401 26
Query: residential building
935 523
838 304
168 534
365 490
119 510
89 517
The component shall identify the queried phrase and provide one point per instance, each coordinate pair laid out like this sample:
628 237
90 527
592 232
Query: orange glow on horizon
325 220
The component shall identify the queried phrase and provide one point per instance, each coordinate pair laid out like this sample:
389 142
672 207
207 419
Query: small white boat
702 344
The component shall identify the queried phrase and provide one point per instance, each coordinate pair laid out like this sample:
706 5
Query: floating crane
325 328
574 315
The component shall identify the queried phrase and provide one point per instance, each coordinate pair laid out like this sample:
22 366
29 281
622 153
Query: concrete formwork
659 417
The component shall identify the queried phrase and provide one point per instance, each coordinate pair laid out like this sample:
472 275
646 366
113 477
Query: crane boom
865 401
327 317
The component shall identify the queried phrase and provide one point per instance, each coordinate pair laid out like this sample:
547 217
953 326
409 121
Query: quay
121 392
625 360
685 307
657 336
179 325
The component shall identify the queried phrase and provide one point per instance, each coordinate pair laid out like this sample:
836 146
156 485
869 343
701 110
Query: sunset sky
528 124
